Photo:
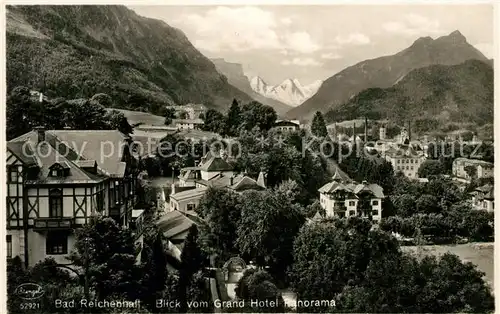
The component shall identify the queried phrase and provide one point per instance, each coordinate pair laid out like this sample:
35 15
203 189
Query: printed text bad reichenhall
84 303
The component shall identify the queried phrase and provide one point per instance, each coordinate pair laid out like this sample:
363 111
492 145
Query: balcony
57 223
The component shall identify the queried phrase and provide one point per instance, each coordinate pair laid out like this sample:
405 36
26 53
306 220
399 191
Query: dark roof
174 223
74 150
23 152
285 123
355 188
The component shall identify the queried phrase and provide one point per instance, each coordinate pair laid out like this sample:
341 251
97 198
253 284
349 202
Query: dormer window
59 170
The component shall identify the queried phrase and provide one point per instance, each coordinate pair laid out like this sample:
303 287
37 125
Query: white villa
343 197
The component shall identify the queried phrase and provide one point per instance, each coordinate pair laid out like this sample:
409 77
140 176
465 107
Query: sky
314 42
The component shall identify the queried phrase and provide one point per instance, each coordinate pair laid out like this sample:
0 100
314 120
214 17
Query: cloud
301 62
487 49
301 42
331 55
237 29
353 39
243 29
413 24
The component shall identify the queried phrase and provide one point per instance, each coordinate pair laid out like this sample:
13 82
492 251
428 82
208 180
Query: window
411 161
411 167
341 215
352 212
13 175
485 204
375 203
352 203
9 246
374 212
100 201
54 173
191 206
56 243
399 161
55 203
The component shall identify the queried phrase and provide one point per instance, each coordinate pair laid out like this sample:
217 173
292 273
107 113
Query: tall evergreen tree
318 126
233 121
191 261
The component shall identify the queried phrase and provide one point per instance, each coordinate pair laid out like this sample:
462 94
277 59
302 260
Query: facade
405 159
287 125
195 111
483 198
483 169
343 197
187 124
54 188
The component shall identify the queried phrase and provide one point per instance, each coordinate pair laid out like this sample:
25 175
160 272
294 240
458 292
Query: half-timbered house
57 180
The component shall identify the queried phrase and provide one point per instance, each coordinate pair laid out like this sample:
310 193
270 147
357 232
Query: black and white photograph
249 158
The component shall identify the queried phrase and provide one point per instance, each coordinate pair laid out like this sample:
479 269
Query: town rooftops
188 194
485 192
74 150
215 163
352 187
476 162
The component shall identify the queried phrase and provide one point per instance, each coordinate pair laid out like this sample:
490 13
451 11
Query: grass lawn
134 117
480 254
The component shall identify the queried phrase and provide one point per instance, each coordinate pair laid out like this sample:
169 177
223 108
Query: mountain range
236 77
460 93
78 51
290 91
383 72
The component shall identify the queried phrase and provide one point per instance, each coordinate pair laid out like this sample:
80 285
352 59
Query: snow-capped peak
290 91
258 85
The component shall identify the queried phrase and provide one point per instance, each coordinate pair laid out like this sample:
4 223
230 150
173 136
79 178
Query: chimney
40 131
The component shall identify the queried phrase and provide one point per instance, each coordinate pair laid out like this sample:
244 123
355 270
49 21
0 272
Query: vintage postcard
217 158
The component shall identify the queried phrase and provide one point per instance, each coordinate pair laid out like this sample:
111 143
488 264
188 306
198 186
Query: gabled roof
188 194
340 175
74 150
245 183
215 163
355 188
23 152
174 223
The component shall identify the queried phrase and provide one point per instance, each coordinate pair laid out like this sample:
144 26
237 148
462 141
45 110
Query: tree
192 260
233 121
256 114
214 121
169 115
427 204
329 255
318 126
221 211
471 171
103 99
118 121
404 204
431 167
110 253
269 223
258 285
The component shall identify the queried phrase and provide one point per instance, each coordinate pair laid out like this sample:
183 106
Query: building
175 227
213 171
187 124
195 111
483 198
462 168
382 133
343 197
287 125
57 180
405 159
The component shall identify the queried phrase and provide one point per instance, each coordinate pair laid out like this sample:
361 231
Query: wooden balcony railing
54 223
